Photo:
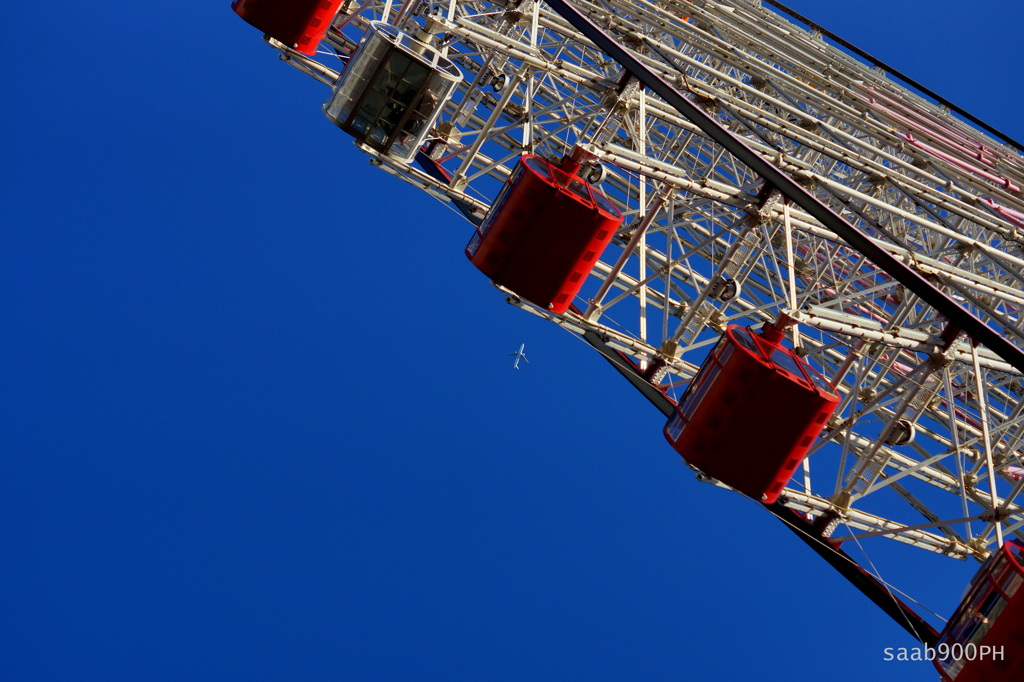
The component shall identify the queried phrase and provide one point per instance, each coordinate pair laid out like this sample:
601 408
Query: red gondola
752 412
984 640
544 233
299 24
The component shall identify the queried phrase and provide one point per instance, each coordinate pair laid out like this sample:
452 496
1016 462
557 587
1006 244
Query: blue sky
260 423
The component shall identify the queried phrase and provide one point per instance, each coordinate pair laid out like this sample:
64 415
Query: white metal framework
925 447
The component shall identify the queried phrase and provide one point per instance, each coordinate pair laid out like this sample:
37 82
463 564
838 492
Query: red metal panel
543 235
748 421
299 24
985 636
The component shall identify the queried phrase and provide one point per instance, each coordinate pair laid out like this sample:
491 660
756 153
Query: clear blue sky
259 424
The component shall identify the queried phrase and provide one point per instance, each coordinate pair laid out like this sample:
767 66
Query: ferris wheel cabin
751 413
392 91
984 640
544 232
299 24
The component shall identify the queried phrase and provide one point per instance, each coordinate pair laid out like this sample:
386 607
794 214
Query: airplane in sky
518 355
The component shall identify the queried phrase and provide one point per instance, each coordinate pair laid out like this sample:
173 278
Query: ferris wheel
813 271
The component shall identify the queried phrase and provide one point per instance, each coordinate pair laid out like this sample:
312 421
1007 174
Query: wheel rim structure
924 447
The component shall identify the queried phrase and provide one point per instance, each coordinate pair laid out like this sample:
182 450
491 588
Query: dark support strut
857 239
868 584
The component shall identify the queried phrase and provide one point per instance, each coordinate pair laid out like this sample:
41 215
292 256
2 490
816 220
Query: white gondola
392 91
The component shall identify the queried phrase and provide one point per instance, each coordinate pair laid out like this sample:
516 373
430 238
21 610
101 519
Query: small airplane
518 355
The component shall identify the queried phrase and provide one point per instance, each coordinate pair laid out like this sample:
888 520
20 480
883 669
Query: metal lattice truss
925 448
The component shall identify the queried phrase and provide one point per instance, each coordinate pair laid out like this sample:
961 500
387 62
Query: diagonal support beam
868 584
774 177
857 239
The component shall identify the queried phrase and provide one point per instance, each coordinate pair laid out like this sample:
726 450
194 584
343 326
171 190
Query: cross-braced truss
924 448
